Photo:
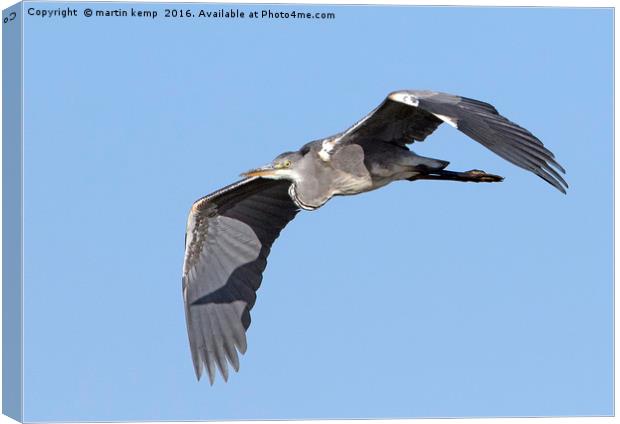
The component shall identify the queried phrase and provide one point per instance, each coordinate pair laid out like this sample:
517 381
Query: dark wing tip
482 122
197 366
211 377
515 145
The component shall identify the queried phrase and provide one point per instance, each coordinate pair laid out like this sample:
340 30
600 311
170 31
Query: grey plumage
230 232
228 238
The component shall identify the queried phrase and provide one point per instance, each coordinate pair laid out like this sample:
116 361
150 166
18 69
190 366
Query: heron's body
339 172
351 169
230 232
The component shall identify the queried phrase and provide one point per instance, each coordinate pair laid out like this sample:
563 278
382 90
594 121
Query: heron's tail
429 163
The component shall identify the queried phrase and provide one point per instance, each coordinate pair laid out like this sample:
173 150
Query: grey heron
230 232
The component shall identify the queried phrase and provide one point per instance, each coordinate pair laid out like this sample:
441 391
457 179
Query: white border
482 3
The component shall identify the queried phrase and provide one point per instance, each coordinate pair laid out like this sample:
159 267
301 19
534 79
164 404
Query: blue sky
422 299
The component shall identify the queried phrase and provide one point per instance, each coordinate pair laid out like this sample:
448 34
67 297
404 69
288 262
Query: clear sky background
427 299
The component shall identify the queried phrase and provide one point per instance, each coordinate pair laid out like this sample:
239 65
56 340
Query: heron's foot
478 176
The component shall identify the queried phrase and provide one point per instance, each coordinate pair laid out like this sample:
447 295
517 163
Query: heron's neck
283 174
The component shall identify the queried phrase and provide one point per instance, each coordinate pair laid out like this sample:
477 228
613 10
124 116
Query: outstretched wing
228 238
408 116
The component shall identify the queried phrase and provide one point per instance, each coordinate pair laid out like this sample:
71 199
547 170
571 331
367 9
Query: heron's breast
347 184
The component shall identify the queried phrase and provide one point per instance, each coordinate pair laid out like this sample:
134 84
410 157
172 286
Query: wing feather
228 238
408 116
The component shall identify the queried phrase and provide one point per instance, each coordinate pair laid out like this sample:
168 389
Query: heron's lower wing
229 236
407 116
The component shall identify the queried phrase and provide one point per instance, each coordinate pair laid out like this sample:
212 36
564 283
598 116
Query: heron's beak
263 171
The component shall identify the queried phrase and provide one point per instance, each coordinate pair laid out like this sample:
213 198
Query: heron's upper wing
408 116
229 235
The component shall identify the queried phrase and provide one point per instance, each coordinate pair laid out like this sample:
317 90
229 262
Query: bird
230 232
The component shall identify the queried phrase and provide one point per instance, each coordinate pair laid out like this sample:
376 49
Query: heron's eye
286 163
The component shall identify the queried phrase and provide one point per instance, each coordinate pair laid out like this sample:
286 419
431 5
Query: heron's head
283 167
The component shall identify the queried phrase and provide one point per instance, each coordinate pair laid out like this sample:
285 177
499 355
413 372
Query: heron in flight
230 232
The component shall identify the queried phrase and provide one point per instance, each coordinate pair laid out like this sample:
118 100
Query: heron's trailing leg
474 176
